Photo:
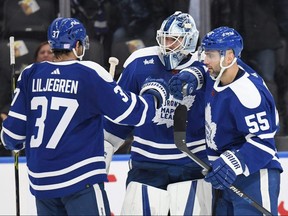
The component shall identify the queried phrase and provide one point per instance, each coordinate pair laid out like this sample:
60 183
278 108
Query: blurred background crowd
119 27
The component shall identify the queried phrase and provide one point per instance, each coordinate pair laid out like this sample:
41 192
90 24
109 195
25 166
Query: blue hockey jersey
154 141
58 111
242 116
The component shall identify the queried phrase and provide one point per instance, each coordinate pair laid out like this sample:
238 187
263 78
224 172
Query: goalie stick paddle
180 122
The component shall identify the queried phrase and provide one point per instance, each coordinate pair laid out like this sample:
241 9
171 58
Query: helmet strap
81 56
223 68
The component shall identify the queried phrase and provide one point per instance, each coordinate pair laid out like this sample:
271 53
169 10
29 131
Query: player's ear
230 56
77 44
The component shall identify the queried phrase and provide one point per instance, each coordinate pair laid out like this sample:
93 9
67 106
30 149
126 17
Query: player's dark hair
58 52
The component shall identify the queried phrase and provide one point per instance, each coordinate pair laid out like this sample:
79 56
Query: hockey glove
158 88
185 82
225 170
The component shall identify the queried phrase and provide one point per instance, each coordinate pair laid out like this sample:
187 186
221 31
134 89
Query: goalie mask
63 34
177 37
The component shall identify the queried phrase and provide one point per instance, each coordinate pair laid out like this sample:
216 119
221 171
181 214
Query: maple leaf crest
210 128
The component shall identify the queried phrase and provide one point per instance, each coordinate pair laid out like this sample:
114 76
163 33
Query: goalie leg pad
190 198
141 199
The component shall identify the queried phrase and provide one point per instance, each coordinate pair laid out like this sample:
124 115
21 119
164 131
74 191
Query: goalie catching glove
185 82
225 170
158 88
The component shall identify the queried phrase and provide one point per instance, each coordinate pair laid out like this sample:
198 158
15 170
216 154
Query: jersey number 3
56 103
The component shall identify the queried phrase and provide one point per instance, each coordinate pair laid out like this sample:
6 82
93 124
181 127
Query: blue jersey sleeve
259 120
126 81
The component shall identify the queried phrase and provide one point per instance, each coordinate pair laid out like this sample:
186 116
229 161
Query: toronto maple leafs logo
165 114
151 61
210 128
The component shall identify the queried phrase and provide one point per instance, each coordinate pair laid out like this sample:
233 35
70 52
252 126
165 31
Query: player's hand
225 170
158 88
185 82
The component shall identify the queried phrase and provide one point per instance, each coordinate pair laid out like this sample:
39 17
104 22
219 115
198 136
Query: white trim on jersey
264 187
128 111
267 136
157 156
13 135
261 146
67 183
162 157
67 169
99 199
165 145
17 115
143 117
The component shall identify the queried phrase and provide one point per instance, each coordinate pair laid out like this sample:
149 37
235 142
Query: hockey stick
180 119
15 153
113 61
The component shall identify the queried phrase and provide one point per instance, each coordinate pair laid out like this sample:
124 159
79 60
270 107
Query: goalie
162 179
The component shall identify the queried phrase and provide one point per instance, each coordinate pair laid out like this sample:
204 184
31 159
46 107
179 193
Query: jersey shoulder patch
144 52
246 91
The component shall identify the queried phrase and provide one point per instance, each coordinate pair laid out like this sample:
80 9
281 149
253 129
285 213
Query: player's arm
115 134
260 124
13 133
124 107
155 88
187 81
256 152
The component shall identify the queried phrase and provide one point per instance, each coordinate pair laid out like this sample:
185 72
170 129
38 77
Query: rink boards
115 187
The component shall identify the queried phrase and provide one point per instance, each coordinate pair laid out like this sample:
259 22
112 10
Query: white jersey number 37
56 103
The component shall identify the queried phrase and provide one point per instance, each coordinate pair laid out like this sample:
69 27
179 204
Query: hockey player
160 178
57 114
241 121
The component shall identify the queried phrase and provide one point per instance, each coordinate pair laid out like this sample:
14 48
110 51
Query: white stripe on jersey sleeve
17 115
128 111
267 136
262 147
13 135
